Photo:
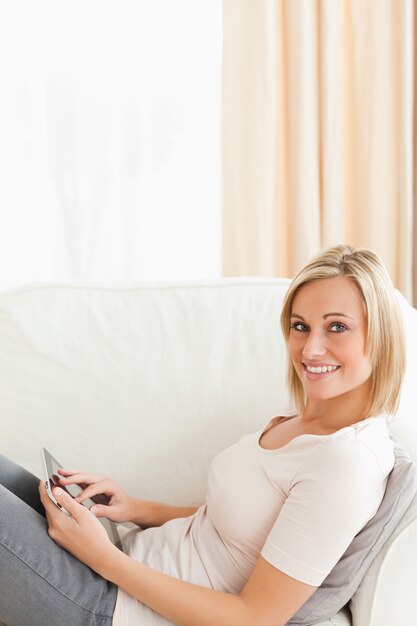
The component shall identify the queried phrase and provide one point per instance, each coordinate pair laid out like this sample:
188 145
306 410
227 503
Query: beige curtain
317 132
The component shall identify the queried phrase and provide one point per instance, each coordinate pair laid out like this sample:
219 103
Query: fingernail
58 491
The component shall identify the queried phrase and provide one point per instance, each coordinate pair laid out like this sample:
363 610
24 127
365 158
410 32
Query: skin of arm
269 598
147 513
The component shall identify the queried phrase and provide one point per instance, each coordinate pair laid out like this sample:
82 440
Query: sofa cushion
344 579
386 595
167 375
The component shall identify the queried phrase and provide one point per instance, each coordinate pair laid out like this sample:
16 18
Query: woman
283 504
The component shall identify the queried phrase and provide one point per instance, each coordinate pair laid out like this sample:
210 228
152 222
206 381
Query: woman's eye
299 326
337 327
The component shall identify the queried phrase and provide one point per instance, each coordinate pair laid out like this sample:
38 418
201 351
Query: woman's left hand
80 533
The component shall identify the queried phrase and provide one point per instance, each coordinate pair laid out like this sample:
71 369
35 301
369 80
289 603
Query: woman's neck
335 413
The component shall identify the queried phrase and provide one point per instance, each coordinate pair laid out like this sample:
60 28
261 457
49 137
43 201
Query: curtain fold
317 133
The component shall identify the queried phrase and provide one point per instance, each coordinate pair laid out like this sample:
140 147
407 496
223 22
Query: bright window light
110 140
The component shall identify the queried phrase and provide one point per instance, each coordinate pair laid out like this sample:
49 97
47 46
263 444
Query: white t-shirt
298 506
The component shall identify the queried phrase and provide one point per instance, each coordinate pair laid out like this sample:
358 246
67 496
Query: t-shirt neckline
303 435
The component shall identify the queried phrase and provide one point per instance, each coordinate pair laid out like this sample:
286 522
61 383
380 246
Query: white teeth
321 370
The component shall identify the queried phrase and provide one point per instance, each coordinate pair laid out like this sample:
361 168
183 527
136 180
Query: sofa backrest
148 382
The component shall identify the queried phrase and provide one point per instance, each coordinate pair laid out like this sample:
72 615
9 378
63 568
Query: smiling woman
328 350
341 311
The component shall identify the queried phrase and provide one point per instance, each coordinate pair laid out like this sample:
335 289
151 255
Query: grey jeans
40 583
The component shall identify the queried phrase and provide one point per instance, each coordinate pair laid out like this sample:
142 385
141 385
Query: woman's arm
269 598
146 513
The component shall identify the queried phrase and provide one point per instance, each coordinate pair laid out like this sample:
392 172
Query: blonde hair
385 344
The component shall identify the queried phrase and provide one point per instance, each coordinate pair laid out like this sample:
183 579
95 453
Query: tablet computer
51 467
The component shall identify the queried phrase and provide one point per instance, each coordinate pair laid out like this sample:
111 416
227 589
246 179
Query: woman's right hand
120 506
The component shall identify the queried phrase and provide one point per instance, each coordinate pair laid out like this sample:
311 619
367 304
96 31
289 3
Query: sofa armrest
387 595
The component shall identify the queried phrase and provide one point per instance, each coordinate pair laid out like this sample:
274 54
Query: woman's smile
319 371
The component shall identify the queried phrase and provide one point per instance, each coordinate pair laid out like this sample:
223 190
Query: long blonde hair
385 344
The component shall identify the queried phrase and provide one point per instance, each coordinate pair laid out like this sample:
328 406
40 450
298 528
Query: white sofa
148 382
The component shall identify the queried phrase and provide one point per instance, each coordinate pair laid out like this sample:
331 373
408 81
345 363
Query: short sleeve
333 495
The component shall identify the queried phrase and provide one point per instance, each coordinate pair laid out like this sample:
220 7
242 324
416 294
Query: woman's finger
102 488
79 478
45 499
68 472
101 510
63 498
51 510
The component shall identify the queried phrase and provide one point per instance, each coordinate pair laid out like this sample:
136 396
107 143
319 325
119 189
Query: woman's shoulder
374 436
359 447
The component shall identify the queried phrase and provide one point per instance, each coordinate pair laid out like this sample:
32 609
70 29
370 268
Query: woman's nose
314 345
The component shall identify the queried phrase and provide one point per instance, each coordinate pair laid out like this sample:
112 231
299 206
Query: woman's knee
21 482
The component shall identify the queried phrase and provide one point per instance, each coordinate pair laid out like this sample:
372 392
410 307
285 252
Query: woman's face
327 338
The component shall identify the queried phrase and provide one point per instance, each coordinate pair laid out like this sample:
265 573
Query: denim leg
20 482
41 584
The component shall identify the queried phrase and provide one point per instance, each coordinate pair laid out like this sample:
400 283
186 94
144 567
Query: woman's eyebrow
324 316
338 314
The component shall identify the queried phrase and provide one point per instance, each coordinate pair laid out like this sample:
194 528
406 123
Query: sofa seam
15 291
